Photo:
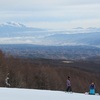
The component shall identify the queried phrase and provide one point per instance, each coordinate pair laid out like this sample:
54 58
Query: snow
13 24
33 94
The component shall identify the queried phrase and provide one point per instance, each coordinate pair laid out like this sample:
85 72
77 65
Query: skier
92 89
69 88
7 81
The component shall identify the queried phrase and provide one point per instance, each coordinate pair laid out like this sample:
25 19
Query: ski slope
32 94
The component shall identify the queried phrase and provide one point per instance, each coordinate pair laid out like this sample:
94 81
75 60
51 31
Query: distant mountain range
16 27
16 33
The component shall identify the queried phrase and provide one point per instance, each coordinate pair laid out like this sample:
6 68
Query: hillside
31 94
48 74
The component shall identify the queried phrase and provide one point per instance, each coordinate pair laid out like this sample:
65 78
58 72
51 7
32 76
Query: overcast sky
52 14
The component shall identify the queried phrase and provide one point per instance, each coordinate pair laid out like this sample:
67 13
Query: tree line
44 74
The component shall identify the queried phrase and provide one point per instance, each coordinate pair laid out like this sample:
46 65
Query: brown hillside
45 74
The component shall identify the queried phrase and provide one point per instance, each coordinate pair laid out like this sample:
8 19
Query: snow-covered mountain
10 27
12 24
16 33
32 94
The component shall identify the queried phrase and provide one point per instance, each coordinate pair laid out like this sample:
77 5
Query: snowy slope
32 94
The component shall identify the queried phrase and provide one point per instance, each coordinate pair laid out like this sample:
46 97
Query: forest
47 74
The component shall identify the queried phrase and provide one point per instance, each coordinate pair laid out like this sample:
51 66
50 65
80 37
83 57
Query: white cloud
27 4
52 13
80 2
41 4
67 25
47 2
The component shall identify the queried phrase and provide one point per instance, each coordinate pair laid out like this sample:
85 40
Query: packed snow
33 94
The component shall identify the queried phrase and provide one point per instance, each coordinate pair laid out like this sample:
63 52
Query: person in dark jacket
92 89
69 88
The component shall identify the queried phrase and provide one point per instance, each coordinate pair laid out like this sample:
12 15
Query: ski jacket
92 86
68 83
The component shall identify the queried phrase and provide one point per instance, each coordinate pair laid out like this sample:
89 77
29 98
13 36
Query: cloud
41 4
16 40
54 13
85 23
27 4
81 2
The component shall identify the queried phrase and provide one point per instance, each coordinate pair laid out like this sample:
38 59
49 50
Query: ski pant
92 91
69 89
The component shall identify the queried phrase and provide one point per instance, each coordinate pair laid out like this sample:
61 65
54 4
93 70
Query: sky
32 94
51 14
